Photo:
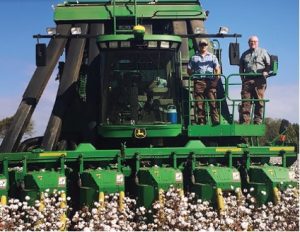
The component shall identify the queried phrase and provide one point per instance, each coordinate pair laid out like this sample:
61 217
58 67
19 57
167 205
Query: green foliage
272 132
5 123
293 134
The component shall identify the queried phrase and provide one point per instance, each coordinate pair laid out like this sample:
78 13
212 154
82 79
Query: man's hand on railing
215 80
265 74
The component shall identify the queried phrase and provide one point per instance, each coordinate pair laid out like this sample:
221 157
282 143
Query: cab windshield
137 86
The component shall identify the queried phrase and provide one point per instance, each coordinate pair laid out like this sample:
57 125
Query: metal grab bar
227 97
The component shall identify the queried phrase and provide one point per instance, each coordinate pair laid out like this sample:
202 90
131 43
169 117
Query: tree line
5 123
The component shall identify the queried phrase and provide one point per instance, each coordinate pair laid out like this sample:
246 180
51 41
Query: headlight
51 30
103 45
76 30
113 44
152 44
125 44
223 30
164 44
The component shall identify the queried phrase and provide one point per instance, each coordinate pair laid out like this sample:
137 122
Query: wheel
30 144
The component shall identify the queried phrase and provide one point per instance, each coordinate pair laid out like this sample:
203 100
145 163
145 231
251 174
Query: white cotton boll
251 206
94 211
192 195
244 225
143 227
270 204
209 214
262 226
86 229
229 221
10 201
97 204
177 214
210 229
16 201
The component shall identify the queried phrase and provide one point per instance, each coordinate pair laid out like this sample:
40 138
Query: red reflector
282 138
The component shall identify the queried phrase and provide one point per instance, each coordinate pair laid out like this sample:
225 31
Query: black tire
30 144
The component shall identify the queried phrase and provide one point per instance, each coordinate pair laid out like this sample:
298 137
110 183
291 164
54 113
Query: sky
276 23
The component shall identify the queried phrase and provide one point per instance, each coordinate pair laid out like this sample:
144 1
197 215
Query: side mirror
40 54
274 64
283 126
234 53
60 67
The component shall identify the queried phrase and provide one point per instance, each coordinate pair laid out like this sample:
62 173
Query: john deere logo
140 133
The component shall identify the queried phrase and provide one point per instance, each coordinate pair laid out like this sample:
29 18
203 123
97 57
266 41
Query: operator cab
138 79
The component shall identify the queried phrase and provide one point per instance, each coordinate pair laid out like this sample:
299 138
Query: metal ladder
130 15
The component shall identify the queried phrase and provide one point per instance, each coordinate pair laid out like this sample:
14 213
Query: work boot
201 121
257 122
215 120
215 123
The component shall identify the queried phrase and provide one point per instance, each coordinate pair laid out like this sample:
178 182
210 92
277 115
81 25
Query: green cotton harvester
123 120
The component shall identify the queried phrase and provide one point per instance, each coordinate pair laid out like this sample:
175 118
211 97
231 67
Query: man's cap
203 41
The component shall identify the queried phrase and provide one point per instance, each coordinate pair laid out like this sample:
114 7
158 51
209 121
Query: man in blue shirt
205 85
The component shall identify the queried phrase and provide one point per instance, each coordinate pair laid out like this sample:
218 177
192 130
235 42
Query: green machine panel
152 180
105 11
226 130
124 131
264 180
93 182
37 182
208 178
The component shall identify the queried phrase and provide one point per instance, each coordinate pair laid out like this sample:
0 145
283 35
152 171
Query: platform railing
229 83
193 101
